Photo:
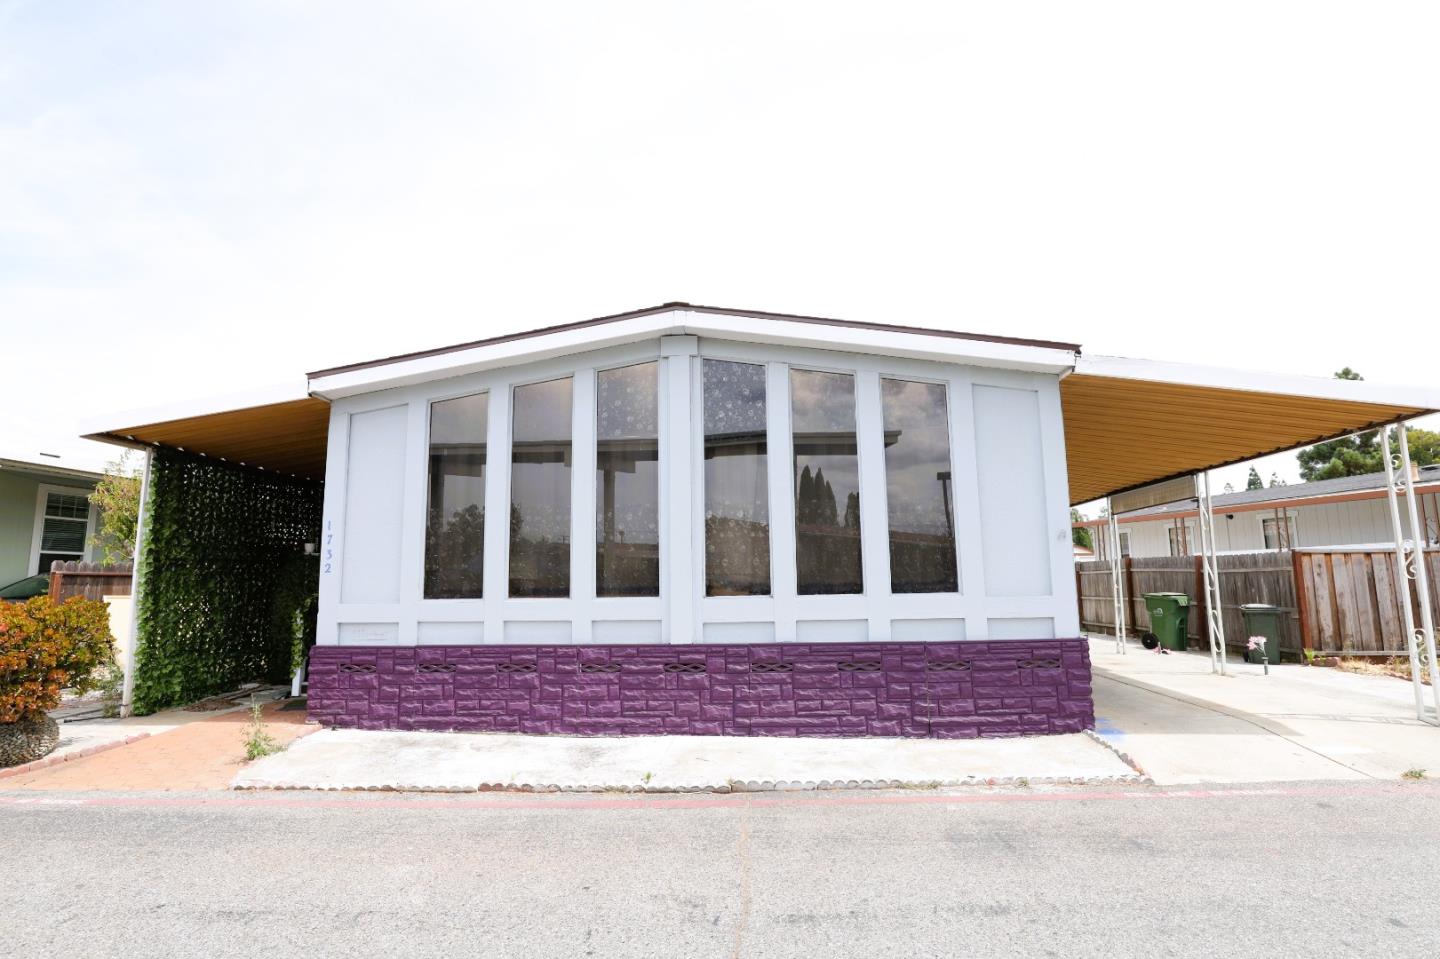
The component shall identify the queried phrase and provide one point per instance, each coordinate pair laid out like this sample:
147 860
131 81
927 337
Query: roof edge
712 310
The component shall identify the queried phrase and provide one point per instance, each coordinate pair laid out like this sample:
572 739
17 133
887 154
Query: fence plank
90 580
1387 599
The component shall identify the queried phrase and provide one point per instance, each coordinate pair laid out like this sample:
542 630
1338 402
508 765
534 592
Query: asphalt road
1317 870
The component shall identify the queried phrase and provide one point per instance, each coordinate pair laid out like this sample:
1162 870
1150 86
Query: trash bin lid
1260 607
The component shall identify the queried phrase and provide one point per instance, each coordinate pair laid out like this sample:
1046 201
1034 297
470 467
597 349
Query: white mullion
965 488
680 445
780 456
412 525
582 505
695 508
874 503
497 513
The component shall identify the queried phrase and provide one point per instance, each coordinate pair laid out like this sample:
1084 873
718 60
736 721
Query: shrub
46 647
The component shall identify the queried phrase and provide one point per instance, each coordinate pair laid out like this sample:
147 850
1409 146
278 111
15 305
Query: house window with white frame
62 527
1277 536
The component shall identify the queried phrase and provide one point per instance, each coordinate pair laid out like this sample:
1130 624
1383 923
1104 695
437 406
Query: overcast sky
198 198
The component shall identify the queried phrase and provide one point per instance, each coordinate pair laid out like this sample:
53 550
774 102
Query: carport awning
1133 422
1127 422
286 437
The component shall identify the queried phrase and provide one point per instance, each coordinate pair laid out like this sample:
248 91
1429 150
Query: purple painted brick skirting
945 690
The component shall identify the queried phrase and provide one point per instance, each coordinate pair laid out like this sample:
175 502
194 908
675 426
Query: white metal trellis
1211 569
1117 576
1410 557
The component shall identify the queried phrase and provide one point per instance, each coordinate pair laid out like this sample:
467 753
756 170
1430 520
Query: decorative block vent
948 666
357 667
600 668
684 667
858 666
516 667
772 667
435 668
1039 663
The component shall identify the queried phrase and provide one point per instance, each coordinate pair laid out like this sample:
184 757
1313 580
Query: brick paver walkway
201 755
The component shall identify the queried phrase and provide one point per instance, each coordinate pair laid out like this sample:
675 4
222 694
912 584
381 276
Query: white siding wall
1327 524
1010 499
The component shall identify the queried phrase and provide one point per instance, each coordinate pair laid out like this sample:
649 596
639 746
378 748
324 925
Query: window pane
627 482
827 483
540 490
66 504
918 488
63 536
455 520
737 500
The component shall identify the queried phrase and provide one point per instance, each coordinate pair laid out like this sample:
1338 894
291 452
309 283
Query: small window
1180 540
64 528
455 518
827 483
737 497
627 482
1125 544
919 492
540 490
1278 535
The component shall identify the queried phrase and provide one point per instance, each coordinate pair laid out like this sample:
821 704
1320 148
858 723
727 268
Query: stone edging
77 754
1124 757
733 786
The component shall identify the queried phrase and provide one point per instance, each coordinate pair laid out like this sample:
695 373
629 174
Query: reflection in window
540 490
827 483
627 482
455 519
918 488
737 502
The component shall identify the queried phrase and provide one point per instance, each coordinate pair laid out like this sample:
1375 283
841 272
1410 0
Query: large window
737 500
64 527
827 483
919 492
627 482
540 490
455 519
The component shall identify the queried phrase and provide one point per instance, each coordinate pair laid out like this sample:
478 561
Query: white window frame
682 611
1291 531
91 522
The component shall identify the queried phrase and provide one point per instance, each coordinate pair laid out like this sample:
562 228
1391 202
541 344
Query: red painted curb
77 754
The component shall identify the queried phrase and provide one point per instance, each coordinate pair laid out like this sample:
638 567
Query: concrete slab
1184 724
457 762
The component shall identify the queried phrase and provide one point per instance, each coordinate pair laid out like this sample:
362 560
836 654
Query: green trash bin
1168 615
1262 620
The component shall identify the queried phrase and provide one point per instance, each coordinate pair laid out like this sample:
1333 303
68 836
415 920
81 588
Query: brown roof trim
666 307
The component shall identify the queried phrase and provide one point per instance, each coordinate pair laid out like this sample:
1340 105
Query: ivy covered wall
224 574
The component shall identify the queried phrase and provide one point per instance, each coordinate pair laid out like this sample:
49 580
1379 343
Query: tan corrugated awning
288 437
1123 431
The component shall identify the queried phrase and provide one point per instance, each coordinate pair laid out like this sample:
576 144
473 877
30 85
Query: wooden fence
1337 601
1352 600
90 580
1266 577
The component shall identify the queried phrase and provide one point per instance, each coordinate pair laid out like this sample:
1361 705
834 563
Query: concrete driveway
1183 724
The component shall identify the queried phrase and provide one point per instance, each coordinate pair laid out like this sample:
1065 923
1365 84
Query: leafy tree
117 497
1080 535
1253 481
1275 480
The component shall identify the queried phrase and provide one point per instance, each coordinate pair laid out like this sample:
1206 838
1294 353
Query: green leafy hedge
223 577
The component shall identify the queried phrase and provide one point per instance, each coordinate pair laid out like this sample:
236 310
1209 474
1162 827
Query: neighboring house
45 512
1347 511
698 520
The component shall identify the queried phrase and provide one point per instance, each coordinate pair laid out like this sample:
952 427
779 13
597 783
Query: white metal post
1211 568
1402 565
1422 641
1117 577
127 689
